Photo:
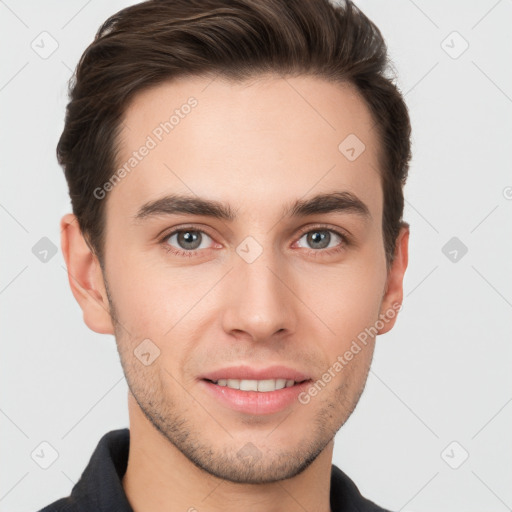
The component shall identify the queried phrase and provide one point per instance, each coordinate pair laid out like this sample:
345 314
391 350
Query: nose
260 303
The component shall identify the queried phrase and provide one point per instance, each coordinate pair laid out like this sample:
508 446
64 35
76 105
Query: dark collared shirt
100 487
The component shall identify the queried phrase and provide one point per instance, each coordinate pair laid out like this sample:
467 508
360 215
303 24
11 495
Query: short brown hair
158 40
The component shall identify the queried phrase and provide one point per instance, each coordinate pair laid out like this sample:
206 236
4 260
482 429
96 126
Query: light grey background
443 374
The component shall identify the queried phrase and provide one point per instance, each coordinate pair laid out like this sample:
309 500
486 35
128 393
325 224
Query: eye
190 242
321 239
187 240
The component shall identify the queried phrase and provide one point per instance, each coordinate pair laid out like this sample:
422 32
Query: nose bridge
260 304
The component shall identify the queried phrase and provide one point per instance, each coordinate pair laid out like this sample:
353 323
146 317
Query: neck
159 477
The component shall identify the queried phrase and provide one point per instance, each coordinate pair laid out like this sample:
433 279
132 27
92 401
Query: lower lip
256 402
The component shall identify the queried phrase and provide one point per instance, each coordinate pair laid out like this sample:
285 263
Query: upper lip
249 373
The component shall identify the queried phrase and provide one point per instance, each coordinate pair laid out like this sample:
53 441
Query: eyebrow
175 204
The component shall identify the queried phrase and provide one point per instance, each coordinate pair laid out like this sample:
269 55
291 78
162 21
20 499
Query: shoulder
346 497
99 486
61 505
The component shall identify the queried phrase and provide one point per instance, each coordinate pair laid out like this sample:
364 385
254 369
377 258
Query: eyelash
320 252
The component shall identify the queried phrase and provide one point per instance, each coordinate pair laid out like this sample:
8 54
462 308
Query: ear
85 277
394 292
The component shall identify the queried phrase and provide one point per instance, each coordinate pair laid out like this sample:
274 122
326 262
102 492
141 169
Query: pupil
189 238
319 237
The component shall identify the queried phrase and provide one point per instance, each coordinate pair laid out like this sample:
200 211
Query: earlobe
85 277
393 297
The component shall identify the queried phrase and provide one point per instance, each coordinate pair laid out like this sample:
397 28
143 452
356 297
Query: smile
263 386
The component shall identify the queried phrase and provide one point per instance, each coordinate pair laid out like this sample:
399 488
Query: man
236 173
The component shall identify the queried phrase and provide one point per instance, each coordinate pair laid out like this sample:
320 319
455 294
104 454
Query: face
251 281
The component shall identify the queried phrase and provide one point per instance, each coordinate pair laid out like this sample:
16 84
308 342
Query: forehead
269 139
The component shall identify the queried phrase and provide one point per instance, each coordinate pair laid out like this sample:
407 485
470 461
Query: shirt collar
100 486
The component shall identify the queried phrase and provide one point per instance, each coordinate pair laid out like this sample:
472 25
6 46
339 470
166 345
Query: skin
257 145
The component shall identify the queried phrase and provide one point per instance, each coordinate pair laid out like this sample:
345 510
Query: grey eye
188 239
320 238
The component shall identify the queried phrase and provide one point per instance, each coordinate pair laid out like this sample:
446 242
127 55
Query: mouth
262 386
255 397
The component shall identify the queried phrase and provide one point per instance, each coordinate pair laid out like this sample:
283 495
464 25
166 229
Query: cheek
347 299
156 301
160 303
142 298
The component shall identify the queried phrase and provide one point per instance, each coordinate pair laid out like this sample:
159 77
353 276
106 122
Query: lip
254 402
250 373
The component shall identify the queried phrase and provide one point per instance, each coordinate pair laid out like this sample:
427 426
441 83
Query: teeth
233 383
271 384
256 385
248 385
